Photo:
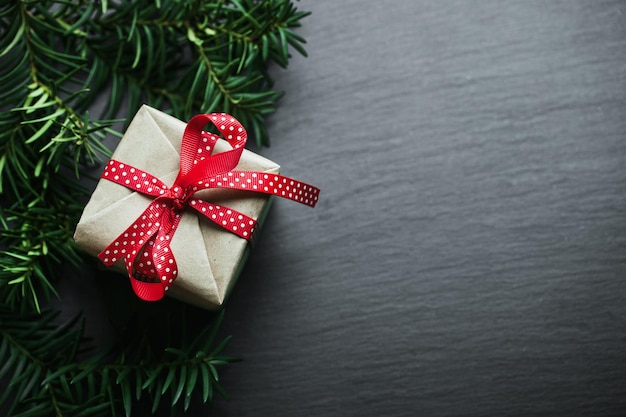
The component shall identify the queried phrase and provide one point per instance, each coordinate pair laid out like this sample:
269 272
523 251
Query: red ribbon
145 244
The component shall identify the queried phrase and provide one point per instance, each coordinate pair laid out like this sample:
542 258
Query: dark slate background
468 254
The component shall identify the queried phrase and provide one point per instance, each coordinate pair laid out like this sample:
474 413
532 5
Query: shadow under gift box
209 258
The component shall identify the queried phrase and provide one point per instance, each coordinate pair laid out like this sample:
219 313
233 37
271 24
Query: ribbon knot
145 244
179 198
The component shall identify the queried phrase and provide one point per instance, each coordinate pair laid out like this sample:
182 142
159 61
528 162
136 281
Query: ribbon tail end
148 291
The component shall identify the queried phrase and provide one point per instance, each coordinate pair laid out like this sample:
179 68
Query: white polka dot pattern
145 244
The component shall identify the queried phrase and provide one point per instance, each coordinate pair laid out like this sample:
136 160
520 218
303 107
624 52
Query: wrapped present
176 207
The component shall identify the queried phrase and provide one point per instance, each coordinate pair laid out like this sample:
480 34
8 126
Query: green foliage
58 60
48 378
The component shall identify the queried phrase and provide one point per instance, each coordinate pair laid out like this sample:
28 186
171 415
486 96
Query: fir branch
37 240
48 378
58 58
227 37
40 136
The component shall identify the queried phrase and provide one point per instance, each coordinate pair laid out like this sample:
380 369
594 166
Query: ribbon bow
145 244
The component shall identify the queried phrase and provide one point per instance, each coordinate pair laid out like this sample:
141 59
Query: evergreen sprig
59 60
48 378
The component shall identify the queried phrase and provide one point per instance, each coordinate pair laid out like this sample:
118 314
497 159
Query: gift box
191 238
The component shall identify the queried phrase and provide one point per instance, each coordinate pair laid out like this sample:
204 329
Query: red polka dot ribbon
145 244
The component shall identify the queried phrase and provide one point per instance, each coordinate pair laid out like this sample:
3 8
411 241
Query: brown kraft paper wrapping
208 256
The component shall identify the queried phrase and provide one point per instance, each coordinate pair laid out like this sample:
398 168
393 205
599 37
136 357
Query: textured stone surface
468 255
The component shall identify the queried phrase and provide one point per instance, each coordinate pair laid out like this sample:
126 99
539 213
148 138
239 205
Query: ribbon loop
145 244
